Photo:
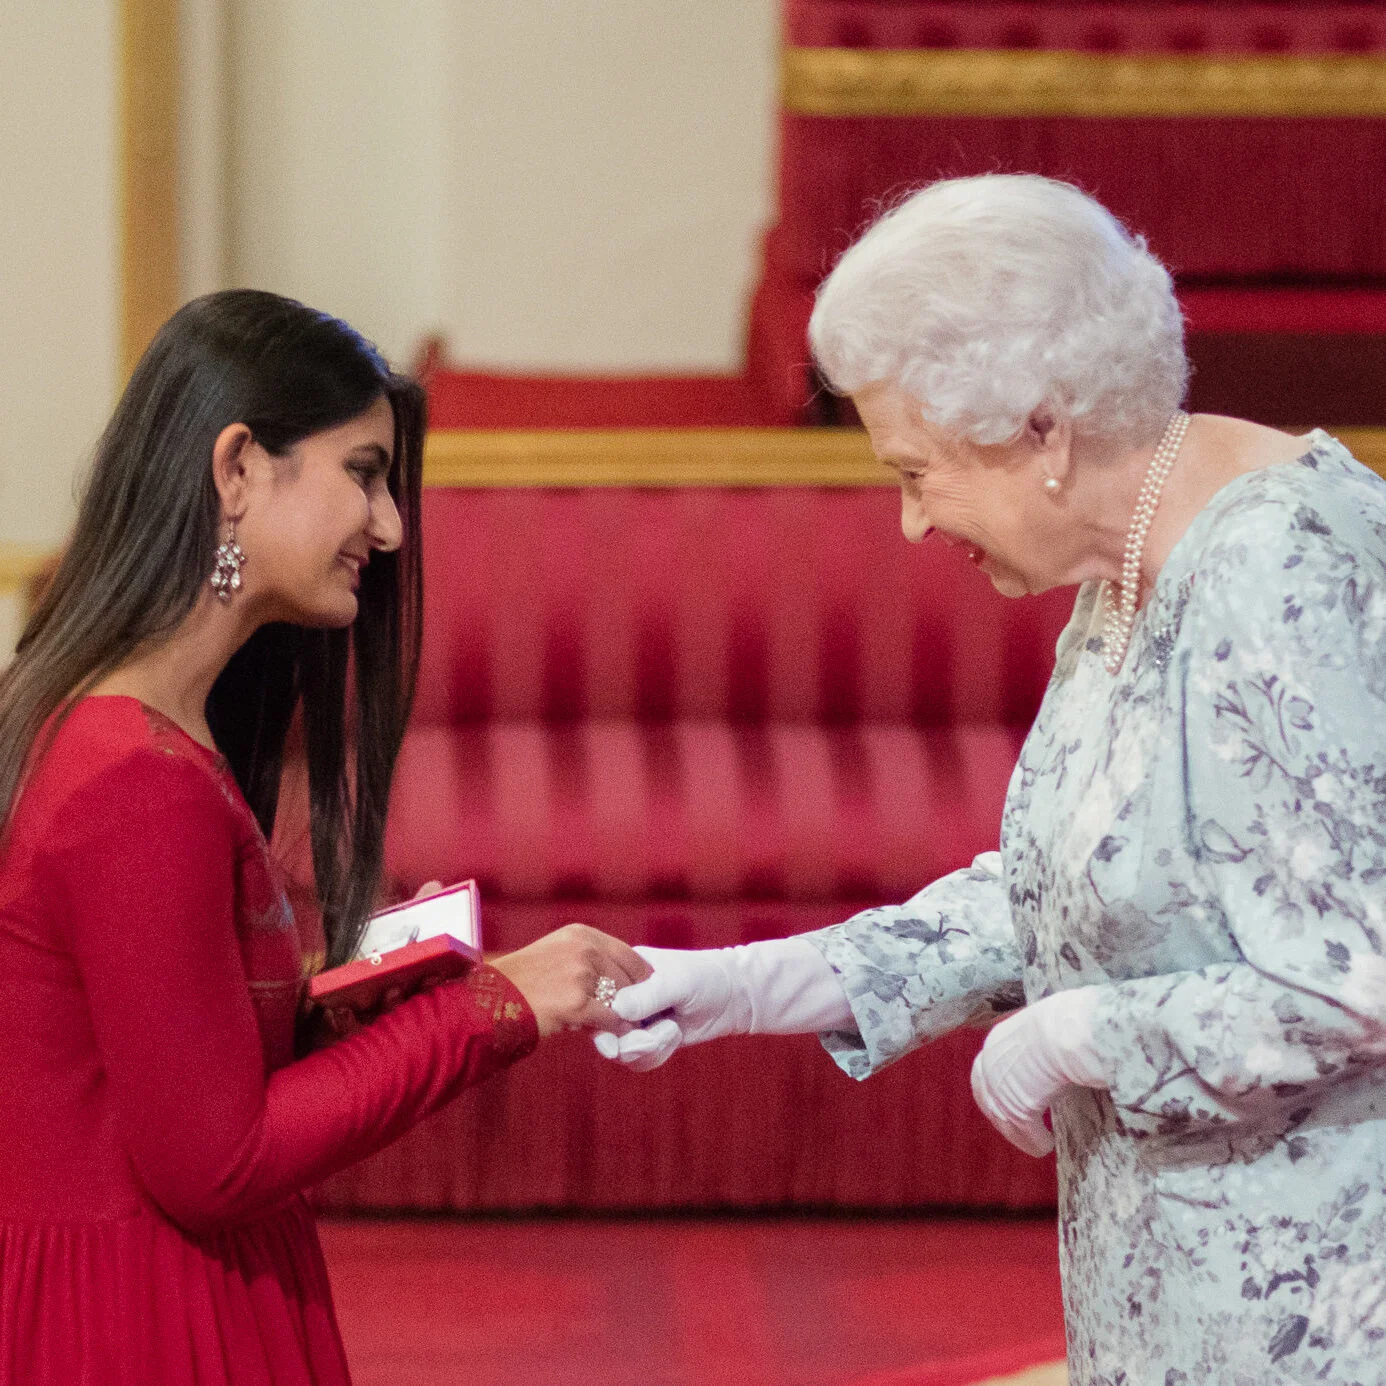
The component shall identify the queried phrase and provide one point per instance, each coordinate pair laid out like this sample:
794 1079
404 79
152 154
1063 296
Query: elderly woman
1187 914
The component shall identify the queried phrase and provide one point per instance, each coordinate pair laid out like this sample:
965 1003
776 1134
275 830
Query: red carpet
682 1302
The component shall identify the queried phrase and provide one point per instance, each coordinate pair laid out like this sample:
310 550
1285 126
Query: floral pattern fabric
1203 838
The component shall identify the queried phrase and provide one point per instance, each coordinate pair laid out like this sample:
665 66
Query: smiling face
311 519
989 501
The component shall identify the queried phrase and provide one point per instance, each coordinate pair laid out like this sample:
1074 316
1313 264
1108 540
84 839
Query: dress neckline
1218 501
160 719
1182 557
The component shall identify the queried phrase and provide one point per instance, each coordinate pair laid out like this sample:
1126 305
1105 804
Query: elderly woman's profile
1184 925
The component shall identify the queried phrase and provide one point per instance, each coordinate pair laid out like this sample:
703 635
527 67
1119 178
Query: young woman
247 552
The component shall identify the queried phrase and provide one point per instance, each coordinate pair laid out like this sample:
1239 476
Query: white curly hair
988 298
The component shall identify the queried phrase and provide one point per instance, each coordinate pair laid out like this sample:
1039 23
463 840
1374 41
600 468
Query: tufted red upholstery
1290 357
696 717
488 399
1220 26
1232 205
695 811
767 604
1217 199
706 695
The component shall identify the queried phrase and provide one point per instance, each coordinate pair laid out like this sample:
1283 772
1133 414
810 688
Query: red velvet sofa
696 716
699 715
1274 224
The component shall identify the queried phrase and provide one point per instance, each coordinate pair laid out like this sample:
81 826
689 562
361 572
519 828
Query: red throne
1237 205
488 399
696 716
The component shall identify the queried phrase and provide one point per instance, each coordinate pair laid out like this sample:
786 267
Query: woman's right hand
558 976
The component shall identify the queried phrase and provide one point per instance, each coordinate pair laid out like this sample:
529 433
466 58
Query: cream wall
58 290
569 187
577 186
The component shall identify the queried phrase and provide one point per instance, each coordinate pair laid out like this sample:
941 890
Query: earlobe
230 473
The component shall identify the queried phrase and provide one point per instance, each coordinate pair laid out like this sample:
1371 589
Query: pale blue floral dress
1203 838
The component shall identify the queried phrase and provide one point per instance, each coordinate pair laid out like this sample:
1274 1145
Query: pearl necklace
1121 611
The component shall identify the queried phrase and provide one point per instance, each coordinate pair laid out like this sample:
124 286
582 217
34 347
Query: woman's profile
247 552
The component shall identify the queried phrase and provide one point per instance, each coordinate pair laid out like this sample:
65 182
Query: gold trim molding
148 82
1050 1374
695 457
652 457
20 564
1367 445
485 459
1034 82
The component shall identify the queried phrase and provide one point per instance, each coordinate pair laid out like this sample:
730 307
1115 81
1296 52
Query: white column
565 186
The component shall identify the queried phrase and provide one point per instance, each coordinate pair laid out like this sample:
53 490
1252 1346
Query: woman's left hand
571 976
1029 1058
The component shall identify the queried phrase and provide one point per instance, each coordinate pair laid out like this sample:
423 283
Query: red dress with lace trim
159 1131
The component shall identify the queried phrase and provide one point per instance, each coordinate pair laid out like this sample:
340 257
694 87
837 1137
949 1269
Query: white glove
1030 1058
782 986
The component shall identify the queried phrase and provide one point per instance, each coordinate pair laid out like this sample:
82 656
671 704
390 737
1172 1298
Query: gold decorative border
147 171
1049 1374
694 457
20 564
484 459
1034 82
653 457
1367 445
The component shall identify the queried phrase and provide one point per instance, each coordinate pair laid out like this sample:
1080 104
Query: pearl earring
226 575
1051 484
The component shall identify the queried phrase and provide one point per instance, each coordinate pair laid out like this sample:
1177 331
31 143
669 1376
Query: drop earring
226 575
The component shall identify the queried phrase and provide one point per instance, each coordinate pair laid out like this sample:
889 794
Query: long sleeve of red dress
142 865
159 1130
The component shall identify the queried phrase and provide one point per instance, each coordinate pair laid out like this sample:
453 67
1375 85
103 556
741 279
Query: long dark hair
142 551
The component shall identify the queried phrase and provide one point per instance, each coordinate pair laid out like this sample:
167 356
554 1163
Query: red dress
156 1131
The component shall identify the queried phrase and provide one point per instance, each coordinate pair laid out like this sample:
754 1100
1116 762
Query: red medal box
421 940
361 984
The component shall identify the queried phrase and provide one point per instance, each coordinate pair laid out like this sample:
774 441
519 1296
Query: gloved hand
780 986
1029 1058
